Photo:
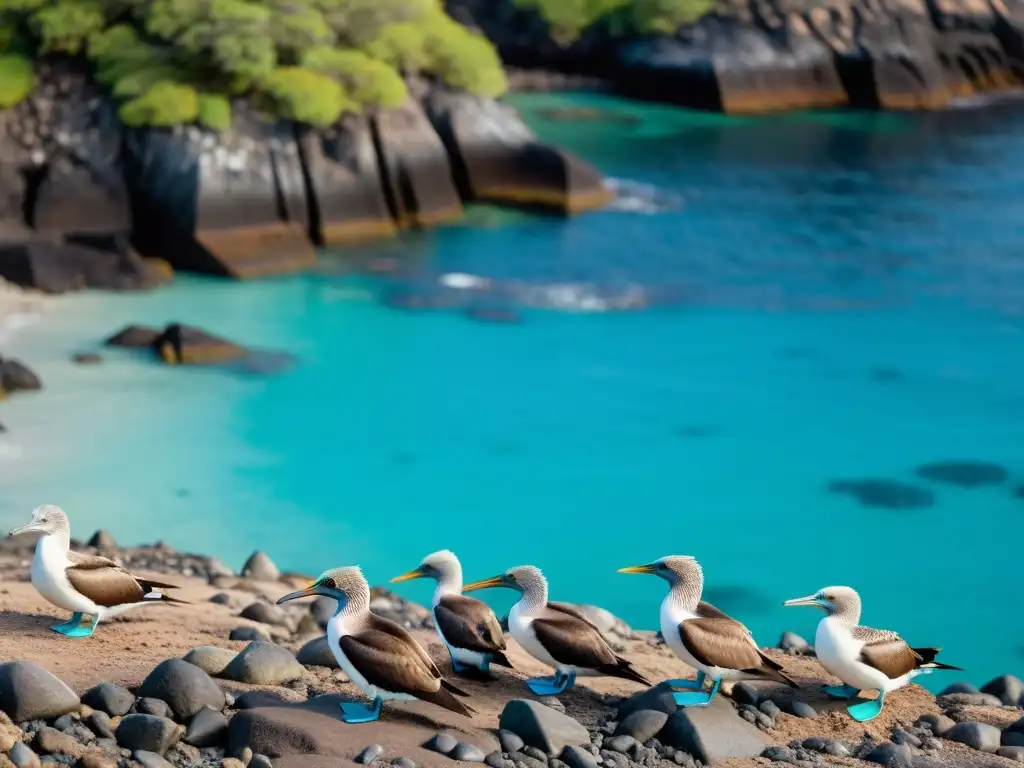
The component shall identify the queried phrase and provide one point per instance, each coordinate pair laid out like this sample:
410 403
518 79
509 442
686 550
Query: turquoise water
831 298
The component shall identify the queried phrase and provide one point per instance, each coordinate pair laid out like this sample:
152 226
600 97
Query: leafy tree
17 79
368 82
164 104
464 59
567 18
402 45
67 27
664 17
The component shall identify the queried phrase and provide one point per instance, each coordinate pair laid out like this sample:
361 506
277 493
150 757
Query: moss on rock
307 60
568 18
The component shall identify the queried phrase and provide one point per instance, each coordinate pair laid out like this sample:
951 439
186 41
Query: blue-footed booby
707 639
467 627
864 659
379 656
82 584
555 634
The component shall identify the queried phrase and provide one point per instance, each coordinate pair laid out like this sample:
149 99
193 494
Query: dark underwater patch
1018 492
885 375
964 474
884 494
739 600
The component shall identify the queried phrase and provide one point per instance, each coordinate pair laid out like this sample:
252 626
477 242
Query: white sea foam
637 197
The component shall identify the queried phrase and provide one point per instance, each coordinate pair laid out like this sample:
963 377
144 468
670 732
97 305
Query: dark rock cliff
754 56
82 196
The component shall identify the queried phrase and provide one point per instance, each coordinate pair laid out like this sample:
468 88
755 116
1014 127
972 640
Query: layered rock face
81 196
754 56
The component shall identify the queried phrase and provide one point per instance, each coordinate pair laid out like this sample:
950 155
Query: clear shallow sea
833 297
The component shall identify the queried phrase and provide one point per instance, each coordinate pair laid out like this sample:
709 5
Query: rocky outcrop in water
82 196
753 56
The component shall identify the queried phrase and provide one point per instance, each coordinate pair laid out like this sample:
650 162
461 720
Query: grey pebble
937 724
265 613
248 634
793 644
1011 753
575 757
221 598
744 693
535 753
151 706
467 753
890 755
64 723
99 721
148 733
510 742
980 736
619 743
1008 689
553 702
442 742
495 759
770 708
802 709
370 753
525 761
900 736
149 759
959 687
207 728
403 762
109 698
779 754
642 724
22 756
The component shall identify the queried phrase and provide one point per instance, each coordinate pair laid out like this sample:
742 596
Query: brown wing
574 641
571 610
468 623
384 626
720 643
887 652
708 611
104 582
387 662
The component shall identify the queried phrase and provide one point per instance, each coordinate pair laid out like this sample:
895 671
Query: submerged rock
884 494
965 474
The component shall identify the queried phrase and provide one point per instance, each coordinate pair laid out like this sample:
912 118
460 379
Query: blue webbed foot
551 686
840 691
351 712
697 698
459 666
69 624
687 684
866 710
79 631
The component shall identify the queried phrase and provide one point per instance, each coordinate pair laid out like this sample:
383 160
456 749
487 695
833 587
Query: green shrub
66 27
17 79
567 18
401 45
164 104
664 17
367 81
463 59
214 111
305 96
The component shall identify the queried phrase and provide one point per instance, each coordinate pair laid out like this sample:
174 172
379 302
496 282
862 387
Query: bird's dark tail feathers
444 698
499 658
772 670
152 595
624 669
928 659
150 585
453 689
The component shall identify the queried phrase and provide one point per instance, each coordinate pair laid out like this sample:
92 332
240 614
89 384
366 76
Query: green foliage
463 59
164 104
367 81
17 79
214 111
305 96
175 61
568 18
66 27
664 17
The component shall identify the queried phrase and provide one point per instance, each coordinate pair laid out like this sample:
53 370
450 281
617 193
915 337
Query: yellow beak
636 569
416 573
494 581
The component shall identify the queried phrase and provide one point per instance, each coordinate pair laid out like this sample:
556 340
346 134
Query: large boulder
262 663
418 182
230 204
344 183
184 687
714 733
542 727
497 158
29 692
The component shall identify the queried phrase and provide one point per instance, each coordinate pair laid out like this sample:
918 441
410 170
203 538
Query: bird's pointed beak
30 528
637 569
312 590
416 573
810 600
494 581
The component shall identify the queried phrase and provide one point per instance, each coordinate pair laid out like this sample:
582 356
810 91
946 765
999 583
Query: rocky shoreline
233 680
758 56
86 201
